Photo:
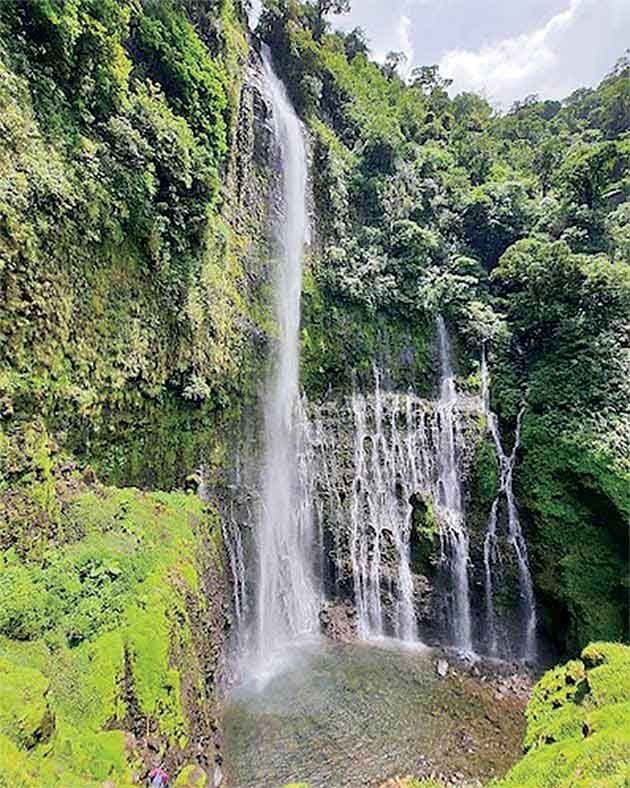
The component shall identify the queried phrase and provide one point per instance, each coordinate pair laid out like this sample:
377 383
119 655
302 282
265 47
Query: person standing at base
158 778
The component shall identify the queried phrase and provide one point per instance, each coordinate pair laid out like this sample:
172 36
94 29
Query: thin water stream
454 536
515 539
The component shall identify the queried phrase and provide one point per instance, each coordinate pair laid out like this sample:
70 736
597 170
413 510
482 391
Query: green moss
577 724
156 685
608 666
552 712
25 717
578 547
13 762
341 343
115 617
191 777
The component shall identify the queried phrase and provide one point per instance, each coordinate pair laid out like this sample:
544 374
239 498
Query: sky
503 49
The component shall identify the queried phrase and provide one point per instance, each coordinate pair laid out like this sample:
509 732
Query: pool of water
354 715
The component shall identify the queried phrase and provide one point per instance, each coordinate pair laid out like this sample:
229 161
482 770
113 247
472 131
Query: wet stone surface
355 715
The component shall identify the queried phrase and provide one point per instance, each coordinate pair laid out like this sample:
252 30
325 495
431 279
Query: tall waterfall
515 536
287 601
454 536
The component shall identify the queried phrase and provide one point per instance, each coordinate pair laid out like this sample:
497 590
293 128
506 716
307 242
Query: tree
495 215
433 86
589 169
322 9
547 157
549 290
355 43
393 62
428 79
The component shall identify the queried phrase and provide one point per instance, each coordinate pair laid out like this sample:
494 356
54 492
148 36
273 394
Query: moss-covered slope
111 637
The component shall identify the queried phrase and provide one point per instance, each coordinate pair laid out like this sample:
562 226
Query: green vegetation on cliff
128 317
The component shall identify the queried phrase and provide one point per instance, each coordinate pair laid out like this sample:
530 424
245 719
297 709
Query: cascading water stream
381 517
455 542
515 536
287 597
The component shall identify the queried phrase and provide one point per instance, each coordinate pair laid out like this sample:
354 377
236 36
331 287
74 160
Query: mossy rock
191 777
578 734
608 666
25 717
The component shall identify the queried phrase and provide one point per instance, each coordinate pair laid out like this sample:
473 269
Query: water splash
453 533
287 599
515 536
254 11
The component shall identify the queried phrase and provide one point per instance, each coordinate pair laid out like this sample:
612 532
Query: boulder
441 668
339 622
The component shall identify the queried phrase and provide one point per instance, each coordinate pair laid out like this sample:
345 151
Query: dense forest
136 324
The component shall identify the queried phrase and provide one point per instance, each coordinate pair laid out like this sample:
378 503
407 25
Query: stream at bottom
355 715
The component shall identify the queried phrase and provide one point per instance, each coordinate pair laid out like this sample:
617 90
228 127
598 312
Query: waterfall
287 600
515 536
236 555
381 517
454 536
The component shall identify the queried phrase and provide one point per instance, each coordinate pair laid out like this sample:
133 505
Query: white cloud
406 43
503 68
402 41
550 60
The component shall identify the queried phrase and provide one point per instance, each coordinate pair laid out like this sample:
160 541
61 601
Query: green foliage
342 341
588 170
549 290
174 55
495 215
82 44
